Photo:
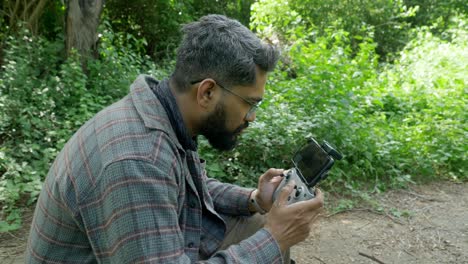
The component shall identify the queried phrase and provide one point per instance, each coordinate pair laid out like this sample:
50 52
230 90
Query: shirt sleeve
259 248
228 198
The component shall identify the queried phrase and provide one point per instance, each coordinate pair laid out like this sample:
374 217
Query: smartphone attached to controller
311 165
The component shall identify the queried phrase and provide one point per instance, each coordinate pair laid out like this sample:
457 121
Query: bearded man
129 186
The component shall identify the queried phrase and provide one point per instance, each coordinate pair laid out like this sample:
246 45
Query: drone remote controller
300 193
311 165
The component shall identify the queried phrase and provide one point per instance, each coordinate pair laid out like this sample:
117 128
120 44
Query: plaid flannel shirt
123 190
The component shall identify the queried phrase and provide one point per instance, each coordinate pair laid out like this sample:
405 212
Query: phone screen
310 160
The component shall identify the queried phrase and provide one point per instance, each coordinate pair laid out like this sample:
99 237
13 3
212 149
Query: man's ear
206 96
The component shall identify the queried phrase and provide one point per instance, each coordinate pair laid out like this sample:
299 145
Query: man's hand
267 184
290 224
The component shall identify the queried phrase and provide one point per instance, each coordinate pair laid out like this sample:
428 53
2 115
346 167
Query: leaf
6 227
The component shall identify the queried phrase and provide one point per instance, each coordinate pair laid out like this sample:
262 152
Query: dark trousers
240 228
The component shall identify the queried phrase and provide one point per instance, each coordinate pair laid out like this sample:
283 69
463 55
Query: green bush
395 124
423 97
46 98
388 22
159 21
439 12
31 113
291 20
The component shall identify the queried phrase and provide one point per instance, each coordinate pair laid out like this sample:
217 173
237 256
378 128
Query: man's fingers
312 204
318 192
277 179
284 193
316 202
270 173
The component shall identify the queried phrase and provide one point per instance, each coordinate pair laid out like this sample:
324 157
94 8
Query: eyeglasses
253 106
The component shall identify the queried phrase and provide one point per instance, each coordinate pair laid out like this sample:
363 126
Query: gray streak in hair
223 49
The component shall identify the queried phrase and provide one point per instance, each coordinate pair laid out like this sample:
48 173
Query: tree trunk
82 21
26 11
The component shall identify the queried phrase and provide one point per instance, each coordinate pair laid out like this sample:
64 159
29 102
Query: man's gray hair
223 49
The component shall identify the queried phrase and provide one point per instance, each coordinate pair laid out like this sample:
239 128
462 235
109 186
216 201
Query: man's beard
214 129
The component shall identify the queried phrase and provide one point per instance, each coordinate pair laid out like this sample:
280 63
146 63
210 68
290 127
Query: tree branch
371 257
37 12
13 13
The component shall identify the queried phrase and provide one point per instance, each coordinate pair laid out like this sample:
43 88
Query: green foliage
278 21
51 22
45 99
155 20
237 9
396 124
159 21
387 22
384 20
430 12
423 97
33 97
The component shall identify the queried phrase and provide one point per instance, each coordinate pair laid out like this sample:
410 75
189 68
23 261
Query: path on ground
433 229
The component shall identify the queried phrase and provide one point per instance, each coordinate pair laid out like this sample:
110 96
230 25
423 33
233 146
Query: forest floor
423 224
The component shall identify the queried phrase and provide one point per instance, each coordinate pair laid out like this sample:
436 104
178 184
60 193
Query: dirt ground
432 228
